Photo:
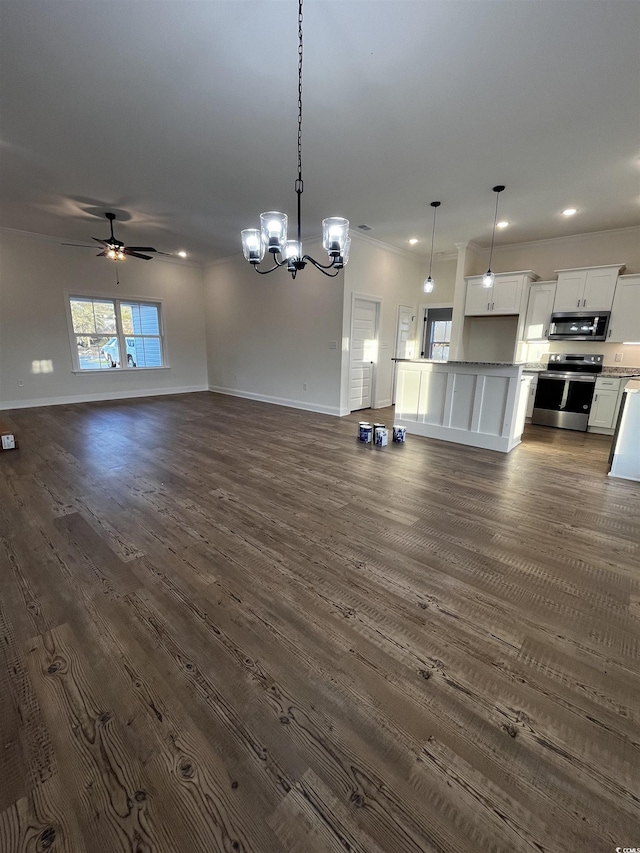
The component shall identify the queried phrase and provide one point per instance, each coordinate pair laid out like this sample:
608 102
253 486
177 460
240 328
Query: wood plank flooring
229 626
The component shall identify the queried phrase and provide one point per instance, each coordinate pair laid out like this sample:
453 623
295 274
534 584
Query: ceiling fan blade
137 255
102 254
82 245
140 249
104 242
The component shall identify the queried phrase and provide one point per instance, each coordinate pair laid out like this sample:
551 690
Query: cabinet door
478 299
532 396
598 290
507 294
603 409
625 314
536 324
570 290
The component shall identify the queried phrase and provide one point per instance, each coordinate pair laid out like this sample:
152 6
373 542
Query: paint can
380 436
365 432
399 434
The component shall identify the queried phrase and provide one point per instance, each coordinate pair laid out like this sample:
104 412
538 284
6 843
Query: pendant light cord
433 233
299 183
495 219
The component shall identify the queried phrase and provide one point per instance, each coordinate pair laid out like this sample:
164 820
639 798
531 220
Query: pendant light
489 277
271 237
429 283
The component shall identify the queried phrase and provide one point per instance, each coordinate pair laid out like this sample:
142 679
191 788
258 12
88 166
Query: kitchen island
476 403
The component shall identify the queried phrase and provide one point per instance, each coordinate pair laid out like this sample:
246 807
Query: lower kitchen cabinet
605 403
531 395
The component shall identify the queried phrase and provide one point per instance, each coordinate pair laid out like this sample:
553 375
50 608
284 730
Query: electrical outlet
304 386
619 356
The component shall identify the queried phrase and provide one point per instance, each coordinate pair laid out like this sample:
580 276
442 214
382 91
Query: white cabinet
539 308
505 297
586 288
605 402
533 384
625 313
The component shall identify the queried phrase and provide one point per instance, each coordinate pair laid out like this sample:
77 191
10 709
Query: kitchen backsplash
539 352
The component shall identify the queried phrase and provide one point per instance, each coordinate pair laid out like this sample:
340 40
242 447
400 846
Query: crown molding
58 241
364 238
554 241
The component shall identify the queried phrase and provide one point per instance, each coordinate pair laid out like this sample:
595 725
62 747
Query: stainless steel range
565 391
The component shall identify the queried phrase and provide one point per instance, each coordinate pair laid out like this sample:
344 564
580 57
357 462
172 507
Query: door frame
394 372
374 370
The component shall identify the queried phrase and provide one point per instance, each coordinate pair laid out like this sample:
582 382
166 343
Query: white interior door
404 339
364 349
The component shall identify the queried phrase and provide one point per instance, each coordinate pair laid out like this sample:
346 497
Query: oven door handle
565 395
572 377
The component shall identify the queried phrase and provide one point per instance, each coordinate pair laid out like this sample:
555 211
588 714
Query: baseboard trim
277 401
97 398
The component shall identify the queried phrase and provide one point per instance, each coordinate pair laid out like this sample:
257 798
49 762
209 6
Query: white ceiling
180 115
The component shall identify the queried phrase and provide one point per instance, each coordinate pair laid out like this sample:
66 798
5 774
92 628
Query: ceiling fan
116 250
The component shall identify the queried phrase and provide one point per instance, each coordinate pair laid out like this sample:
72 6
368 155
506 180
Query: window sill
111 370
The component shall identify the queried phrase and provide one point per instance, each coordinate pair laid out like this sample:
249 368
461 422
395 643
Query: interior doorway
365 320
404 340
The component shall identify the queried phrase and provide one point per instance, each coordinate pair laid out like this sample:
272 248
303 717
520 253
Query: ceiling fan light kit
271 237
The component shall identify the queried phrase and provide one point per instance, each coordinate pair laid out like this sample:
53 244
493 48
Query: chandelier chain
299 182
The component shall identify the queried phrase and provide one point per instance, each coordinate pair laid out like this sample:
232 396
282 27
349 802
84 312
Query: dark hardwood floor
229 626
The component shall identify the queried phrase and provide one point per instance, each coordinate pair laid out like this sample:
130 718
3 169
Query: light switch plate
8 442
618 356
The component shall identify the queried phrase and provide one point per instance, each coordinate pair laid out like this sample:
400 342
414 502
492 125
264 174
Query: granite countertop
620 372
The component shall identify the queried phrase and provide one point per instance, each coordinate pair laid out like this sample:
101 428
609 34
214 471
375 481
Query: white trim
407 253
382 404
278 401
374 373
95 398
587 235
109 372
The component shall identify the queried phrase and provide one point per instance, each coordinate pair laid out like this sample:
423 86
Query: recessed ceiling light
502 224
569 211
413 241
182 253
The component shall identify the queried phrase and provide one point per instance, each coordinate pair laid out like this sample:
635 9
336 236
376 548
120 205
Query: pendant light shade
429 283
489 277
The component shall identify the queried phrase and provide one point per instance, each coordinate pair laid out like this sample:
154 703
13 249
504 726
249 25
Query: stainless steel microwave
579 326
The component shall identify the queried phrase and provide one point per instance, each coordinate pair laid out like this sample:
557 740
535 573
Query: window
437 333
115 333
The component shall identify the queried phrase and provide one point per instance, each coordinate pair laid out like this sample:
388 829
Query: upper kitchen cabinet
505 297
625 313
539 308
586 288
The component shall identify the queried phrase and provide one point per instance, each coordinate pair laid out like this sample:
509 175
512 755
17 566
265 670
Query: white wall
444 275
396 277
583 250
268 336
36 273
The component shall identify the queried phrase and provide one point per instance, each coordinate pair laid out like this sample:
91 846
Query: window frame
119 334
427 324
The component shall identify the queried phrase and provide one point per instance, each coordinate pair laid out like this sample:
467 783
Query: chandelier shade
272 236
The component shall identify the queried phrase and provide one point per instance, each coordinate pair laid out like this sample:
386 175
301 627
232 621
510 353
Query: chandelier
271 237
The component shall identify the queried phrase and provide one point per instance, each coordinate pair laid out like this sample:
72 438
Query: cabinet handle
609 333
488 306
578 303
492 304
595 399
584 303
